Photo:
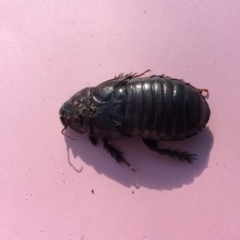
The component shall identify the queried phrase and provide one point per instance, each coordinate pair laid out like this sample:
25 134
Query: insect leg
115 153
129 76
141 74
152 145
204 90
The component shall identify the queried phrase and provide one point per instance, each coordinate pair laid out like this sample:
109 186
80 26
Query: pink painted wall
51 49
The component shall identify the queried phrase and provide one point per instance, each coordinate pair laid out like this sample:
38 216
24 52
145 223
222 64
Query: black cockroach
155 107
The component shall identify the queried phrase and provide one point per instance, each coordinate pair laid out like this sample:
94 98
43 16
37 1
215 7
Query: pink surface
51 49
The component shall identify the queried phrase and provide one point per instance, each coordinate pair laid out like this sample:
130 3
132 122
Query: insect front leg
115 153
152 145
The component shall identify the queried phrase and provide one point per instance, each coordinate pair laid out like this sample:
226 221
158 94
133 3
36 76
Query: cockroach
152 108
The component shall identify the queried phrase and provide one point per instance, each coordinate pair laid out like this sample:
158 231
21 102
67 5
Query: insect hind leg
204 90
152 145
116 154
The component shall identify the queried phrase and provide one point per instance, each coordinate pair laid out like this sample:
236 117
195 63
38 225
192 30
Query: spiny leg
141 74
119 76
115 154
152 145
129 76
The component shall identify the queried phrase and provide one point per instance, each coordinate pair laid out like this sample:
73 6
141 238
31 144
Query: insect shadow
154 171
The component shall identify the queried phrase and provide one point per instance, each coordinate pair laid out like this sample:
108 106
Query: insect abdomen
161 108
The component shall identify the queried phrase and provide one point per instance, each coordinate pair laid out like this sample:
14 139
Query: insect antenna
63 133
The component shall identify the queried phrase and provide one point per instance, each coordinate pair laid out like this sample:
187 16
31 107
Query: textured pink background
51 49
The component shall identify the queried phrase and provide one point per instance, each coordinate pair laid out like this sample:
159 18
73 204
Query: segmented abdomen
159 108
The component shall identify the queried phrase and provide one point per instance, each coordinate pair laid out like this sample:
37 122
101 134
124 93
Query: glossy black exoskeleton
156 107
